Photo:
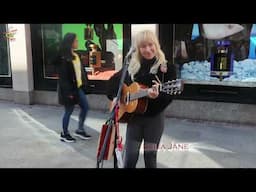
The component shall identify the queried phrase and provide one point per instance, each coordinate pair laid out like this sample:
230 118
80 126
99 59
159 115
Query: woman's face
147 50
75 44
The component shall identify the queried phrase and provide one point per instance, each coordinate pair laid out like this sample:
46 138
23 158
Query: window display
100 48
194 51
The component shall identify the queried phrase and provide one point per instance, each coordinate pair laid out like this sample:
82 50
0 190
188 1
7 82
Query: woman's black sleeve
65 78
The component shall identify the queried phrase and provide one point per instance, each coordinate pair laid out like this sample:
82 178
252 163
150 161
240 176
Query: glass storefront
101 49
51 38
5 67
216 61
195 47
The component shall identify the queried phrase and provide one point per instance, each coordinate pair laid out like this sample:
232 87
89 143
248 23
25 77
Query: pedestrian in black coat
71 86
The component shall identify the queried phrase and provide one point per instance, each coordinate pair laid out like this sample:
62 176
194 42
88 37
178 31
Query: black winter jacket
155 106
67 84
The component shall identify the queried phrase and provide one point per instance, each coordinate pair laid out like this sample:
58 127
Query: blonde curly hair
142 37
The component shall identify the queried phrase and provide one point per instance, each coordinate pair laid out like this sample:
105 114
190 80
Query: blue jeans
83 113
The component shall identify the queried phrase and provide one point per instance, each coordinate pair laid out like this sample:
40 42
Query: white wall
21 58
135 28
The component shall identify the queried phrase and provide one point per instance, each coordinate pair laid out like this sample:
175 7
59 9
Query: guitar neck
139 94
170 87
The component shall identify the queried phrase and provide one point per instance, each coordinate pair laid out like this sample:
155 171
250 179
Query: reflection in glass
193 47
51 36
100 48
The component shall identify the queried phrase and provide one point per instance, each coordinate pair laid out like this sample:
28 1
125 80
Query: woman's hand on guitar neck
153 92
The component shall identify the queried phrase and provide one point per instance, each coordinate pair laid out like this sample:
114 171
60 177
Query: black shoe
67 138
82 135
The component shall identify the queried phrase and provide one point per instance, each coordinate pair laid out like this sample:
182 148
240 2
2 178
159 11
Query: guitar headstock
173 87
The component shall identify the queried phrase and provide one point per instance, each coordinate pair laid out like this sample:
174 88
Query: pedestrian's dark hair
66 46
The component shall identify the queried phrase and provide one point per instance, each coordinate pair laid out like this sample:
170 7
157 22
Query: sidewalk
29 138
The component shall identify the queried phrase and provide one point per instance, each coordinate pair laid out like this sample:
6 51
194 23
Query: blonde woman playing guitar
149 78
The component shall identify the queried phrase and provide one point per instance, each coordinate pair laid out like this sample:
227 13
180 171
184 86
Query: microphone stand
112 116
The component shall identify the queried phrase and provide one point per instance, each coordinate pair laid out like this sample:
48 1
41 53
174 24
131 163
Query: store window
101 49
5 67
216 54
51 38
216 61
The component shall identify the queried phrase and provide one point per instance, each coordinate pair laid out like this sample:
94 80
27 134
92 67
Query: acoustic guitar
134 100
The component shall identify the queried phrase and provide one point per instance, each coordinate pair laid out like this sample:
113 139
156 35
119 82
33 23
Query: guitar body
134 97
124 116
137 106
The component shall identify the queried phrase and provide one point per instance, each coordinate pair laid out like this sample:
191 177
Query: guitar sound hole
127 98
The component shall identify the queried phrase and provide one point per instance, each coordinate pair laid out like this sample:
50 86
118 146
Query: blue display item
252 51
222 60
195 32
223 43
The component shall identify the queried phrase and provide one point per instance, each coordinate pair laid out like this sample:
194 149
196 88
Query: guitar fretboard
170 87
140 94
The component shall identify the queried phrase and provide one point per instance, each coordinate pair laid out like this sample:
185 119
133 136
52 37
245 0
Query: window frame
6 80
